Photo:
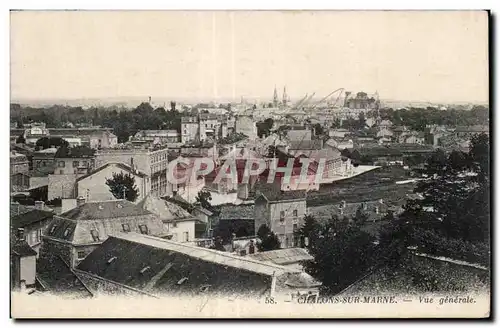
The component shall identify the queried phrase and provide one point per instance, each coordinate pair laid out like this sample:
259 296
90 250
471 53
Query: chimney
20 234
376 209
381 200
344 204
132 162
251 247
39 205
80 201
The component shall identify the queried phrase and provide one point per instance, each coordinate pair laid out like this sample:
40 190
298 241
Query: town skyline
226 55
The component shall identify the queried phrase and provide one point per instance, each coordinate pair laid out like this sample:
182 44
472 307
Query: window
174 225
126 227
53 229
85 163
81 255
66 232
75 163
59 164
95 235
282 216
295 227
143 228
295 213
186 236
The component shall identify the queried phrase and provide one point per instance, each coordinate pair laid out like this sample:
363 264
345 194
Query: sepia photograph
250 164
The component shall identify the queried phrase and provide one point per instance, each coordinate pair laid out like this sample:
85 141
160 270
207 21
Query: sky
439 56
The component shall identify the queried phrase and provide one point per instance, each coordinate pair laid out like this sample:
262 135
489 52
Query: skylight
145 269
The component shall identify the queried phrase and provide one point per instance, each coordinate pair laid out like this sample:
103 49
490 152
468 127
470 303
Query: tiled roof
105 210
30 217
122 166
156 265
56 277
283 256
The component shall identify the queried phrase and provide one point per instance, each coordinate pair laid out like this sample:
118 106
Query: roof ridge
225 254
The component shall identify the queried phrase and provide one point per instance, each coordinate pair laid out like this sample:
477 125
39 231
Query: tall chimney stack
80 201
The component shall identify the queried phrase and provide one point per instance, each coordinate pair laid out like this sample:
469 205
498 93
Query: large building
73 234
189 129
18 163
152 161
282 211
44 161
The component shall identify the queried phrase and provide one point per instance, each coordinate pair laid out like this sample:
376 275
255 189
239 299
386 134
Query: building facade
152 161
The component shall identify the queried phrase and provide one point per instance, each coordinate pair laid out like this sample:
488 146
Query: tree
204 198
20 139
310 230
318 129
268 239
342 254
48 142
122 186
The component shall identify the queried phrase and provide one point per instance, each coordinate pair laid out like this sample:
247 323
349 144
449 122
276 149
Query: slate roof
17 209
156 266
105 218
55 275
105 210
305 144
21 248
30 217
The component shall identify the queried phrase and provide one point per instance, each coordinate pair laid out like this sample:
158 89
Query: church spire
285 97
275 97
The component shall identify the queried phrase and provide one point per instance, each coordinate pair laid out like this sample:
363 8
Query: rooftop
272 192
283 256
122 166
29 217
154 265
105 210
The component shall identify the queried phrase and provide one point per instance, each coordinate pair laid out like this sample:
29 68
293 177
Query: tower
346 99
285 97
275 98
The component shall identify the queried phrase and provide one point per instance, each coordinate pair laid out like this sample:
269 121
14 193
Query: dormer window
126 227
143 228
51 232
143 270
111 260
66 232
95 235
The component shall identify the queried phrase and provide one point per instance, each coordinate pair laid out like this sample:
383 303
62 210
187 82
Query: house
92 186
208 126
282 211
299 133
94 137
33 223
372 210
135 264
18 163
27 181
471 130
246 124
35 131
415 138
75 233
22 263
152 161
44 161
179 224
154 137
71 164
384 132
189 129
339 143
337 133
